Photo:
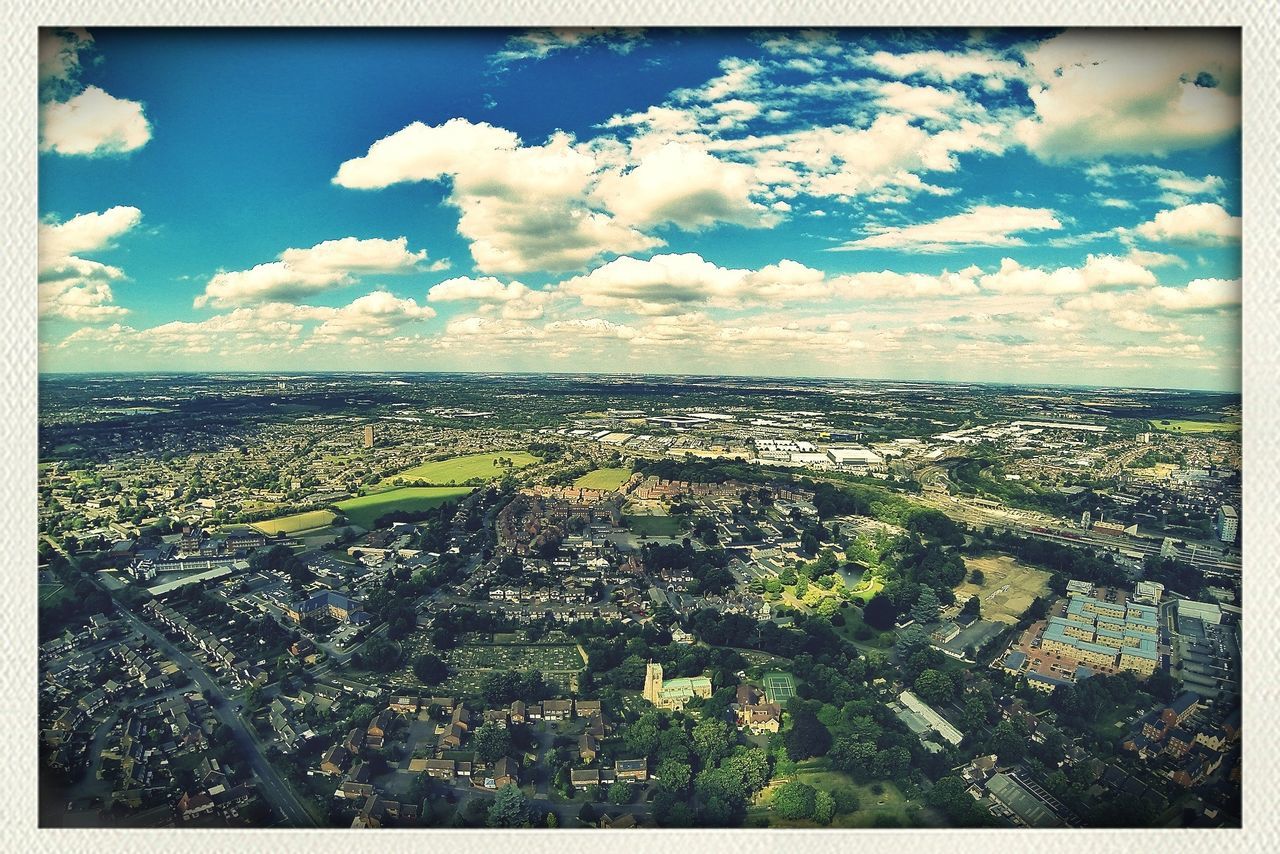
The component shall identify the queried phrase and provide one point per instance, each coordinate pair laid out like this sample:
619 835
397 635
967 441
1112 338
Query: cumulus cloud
1098 271
513 300
670 284
944 66
376 314
1100 92
982 225
300 272
686 186
82 120
76 288
1198 296
1203 224
522 207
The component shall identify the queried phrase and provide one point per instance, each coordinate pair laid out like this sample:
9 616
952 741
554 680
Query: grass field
367 508
52 594
462 469
1007 588
1175 425
295 523
888 808
865 590
654 526
603 479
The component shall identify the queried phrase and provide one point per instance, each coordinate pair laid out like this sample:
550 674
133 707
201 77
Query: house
632 769
587 748
557 710
453 739
378 726
588 708
334 761
1198 765
189 806
355 740
1181 708
461 718
442 769
502 773
580 779
301 648
495 716
445 703
623 821
404 705
517 714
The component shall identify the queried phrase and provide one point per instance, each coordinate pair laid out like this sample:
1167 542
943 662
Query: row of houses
1196 747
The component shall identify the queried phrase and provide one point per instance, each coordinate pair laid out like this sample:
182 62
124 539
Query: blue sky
1039 206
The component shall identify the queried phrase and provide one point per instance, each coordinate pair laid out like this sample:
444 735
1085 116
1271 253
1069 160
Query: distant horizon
640 374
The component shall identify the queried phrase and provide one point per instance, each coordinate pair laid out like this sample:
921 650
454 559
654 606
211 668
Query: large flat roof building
1106 634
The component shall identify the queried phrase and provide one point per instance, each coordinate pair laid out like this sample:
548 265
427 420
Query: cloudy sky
999 206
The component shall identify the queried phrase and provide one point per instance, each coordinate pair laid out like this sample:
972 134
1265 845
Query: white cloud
1103 92
670 284
1203 224
686 186
1199 295
514 300
983 225
325 266
522 207
539 44
376 314
59 55
76 288
945 66
93 123
1098 271
888 284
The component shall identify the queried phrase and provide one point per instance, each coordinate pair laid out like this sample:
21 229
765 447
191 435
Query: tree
620 792
795 799
510 808
711 740
674 775
934 686
491 742
824 807
925 610
880 613
587 815
977 577
430 669
807 737
972 605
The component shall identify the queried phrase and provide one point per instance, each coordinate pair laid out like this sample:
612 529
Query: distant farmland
603 479
364 510
462 469
1180 426
296 523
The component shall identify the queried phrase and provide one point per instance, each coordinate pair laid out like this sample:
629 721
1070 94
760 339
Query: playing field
464 468
1174 425
778 687
51 594
603 479
1007 587
364 510
654 526
295 523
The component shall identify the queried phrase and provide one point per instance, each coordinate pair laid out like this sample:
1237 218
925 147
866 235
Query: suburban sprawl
618 601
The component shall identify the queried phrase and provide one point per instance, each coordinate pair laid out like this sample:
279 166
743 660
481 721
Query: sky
1000 206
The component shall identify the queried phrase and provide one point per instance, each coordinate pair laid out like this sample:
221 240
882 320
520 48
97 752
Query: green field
464 468
52 594
887 809
1175 425
364 510
654 526
293 524
603 479
866 590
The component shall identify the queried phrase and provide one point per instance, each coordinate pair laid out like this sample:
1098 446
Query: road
272 787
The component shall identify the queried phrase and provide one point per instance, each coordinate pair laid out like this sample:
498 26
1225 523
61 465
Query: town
433 600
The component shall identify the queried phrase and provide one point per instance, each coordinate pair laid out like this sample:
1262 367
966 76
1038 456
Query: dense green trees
430 669
794 800
510 808
491 742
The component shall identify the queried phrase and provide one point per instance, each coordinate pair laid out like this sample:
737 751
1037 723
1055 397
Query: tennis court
779 687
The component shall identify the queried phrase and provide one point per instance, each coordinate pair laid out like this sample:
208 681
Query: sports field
464 468
365 509
308 521
51 594
603 479
1174 425
654 526
778 687
1007 586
